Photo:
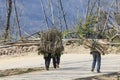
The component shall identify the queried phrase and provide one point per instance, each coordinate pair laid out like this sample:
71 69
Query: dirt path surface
72 66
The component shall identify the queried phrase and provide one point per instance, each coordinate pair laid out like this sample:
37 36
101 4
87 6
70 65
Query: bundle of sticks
100 45
117 18
51 42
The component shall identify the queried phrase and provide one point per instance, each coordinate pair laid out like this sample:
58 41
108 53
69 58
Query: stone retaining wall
17 50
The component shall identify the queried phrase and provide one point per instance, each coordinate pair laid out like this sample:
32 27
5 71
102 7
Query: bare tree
7 26
98 14
88 7
59 19
117 5
63 12
111 5
17 18
45 17
92 7
52 13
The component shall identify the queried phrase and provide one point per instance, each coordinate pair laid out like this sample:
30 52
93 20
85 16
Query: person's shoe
47 69
54 66
92 70
98 71
57 66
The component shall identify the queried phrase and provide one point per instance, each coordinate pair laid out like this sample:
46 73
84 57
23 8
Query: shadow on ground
111 76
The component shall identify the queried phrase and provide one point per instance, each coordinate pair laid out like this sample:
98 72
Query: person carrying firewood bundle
96 50
98 47
51 47
96 57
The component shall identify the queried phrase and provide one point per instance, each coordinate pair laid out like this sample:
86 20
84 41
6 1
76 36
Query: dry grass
51 42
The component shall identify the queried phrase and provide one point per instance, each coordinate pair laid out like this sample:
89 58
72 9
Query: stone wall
17 50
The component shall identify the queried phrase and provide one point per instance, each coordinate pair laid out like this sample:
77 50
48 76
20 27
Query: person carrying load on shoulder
51 46
96 57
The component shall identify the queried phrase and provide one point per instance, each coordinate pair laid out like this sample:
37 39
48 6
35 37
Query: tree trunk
92 7
117 4
52 13
17 18
7 26
108 15
59 19
45 17
63 14
98 14
88 7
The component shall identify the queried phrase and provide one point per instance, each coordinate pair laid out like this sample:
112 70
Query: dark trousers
96 59
47 61
56 60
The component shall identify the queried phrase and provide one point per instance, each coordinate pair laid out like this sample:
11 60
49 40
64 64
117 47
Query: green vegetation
86 29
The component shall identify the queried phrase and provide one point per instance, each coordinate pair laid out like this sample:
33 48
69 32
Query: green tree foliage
66 33
86 29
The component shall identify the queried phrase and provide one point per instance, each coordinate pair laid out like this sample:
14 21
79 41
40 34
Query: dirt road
72 66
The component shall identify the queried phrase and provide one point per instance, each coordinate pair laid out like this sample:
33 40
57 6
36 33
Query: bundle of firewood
117 18
100 46
51 42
